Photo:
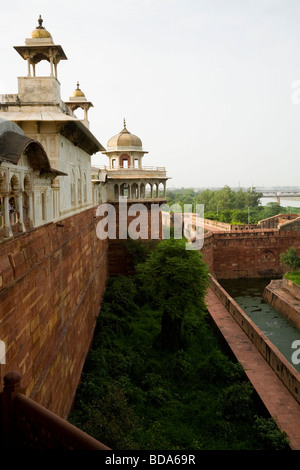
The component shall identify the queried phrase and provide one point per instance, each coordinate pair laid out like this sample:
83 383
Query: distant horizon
212 88
235 187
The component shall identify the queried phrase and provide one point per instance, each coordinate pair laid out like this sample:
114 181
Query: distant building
125 175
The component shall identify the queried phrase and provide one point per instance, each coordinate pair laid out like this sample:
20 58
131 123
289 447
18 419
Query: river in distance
293 202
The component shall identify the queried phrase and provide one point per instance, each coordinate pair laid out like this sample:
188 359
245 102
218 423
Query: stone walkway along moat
281 405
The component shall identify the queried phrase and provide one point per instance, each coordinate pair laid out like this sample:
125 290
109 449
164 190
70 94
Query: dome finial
124 123
78 92
40 21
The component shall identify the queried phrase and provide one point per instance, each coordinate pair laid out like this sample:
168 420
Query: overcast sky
210 86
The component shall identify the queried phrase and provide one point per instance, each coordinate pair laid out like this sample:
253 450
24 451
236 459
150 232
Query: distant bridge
276 193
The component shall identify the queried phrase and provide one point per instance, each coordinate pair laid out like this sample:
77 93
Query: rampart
52 281
253 254
228 227
281 221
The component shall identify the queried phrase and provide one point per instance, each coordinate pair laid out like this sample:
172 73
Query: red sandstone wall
51 285
250 254
207 251
119 260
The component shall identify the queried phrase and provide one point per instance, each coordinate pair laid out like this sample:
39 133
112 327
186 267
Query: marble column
6 217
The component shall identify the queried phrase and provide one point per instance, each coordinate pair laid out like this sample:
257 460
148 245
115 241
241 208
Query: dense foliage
227 205
134 395
176 280
291 259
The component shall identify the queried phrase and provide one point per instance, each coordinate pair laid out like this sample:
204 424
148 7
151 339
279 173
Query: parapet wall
253 254
291 287
51 284
283 369
277 220
228 227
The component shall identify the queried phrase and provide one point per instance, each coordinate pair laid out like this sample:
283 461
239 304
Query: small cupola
78 100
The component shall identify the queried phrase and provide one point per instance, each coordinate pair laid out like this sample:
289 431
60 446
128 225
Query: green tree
177 279
252 198
290 259
239 217
271 209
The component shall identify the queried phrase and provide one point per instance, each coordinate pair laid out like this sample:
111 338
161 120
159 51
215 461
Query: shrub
236 402
290 259
120 295
109 419
269 434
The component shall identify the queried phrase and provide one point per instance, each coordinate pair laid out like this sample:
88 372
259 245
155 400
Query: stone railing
143 168
26 425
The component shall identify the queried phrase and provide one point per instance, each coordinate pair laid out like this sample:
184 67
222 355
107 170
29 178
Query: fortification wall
150 228
51 284
251 254
207 251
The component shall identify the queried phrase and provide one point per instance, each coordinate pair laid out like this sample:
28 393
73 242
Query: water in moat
248 295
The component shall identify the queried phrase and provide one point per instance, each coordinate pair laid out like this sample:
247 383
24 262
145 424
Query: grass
293 276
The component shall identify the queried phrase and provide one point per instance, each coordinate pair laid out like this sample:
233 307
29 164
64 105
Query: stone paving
281 405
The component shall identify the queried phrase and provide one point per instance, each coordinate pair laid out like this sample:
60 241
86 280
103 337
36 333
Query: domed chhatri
125 139
78 93
40 32
125 174
78 100
39 47
125 150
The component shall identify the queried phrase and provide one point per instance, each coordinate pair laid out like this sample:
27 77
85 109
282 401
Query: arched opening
142 191
116 191
149 190
13 211
79 187
124 190
161 190
134 191
269 258
124 161
73 200
84 188
155 190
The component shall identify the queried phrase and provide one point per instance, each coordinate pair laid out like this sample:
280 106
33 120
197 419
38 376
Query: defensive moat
248 293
